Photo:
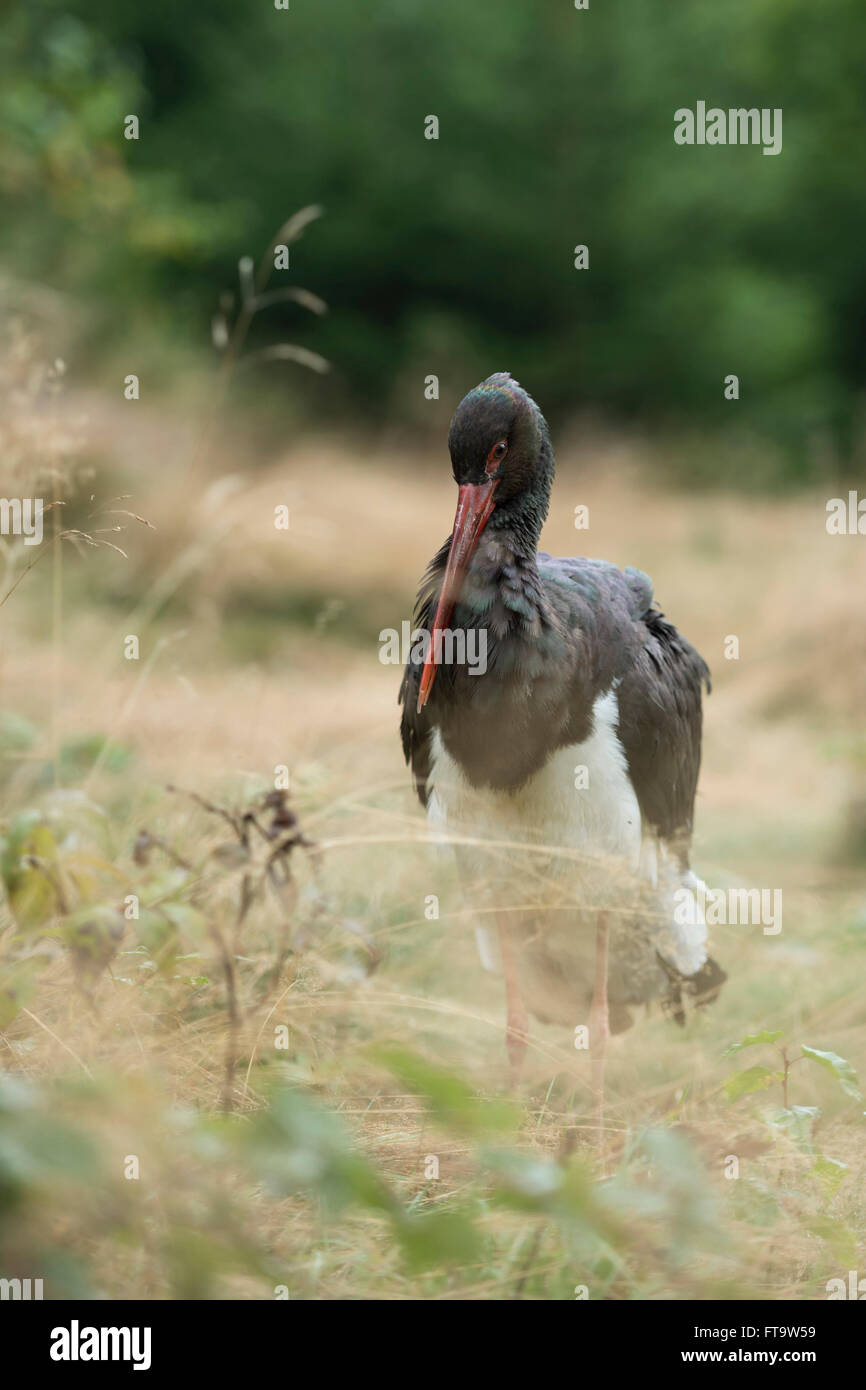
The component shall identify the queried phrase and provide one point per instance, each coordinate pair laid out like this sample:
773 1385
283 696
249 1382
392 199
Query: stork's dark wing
660 720
618 641
415 729
415 732
658 679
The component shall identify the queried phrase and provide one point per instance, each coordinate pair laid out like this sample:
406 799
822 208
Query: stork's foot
516 1039
599 1025
599 1035
516 1018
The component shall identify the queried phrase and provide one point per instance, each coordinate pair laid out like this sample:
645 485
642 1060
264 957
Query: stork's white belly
582 799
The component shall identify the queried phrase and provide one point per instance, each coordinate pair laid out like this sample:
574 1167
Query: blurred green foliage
289 1197
455 256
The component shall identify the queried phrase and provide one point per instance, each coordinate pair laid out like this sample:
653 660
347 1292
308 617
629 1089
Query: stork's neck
503 588
518 524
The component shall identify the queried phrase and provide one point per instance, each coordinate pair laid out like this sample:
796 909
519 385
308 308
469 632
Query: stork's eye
496 455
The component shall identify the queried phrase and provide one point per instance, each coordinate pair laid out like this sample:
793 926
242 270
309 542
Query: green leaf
526 1181
17 987
159 936
796 1121
78 756
297 1144
752 1040
829 1172
841 1240
191 923
452 1101
842 1070
32 894
16 1095
744 1083
17 735
432 1239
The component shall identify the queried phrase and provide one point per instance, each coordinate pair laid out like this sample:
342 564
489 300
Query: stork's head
498 437
503 464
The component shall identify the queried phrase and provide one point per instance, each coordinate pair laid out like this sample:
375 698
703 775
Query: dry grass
258 649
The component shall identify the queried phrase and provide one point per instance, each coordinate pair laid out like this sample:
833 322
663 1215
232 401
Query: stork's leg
516 1020
599 1022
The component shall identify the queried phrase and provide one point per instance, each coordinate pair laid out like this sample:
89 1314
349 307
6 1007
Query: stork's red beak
474 506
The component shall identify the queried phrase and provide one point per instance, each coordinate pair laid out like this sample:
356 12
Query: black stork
581 741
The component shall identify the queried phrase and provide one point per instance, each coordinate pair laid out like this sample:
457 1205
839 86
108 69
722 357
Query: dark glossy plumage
561 633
